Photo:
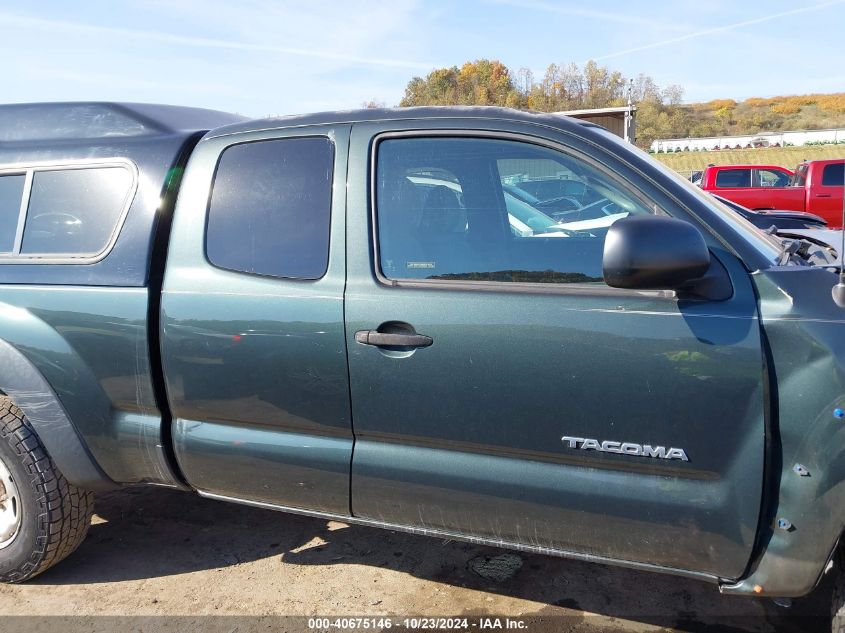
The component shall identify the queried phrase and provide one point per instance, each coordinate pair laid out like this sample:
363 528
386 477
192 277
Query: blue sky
260 57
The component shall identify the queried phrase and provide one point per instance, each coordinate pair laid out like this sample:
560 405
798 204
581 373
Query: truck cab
753 186
367 316
822 182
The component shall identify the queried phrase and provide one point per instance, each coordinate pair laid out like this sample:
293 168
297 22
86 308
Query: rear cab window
270 208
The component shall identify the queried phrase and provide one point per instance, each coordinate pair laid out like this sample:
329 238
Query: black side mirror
653 252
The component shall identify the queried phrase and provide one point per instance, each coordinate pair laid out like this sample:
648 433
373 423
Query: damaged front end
803 514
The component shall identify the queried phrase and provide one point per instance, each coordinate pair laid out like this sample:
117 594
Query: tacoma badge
625 448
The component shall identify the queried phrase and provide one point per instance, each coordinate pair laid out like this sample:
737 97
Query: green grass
685 162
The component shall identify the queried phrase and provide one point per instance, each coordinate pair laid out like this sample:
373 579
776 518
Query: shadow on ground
144 533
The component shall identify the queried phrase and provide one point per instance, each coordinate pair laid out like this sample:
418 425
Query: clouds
343 54
259 57
723 28
254 57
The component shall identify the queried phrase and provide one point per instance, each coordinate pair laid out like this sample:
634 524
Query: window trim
207 219
585 288
28 170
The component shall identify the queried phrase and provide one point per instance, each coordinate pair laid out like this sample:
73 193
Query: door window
270 208
489 210
732 178
770 178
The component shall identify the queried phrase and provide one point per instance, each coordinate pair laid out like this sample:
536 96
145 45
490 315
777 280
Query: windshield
767 245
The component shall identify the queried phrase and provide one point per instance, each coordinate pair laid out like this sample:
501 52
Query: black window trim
508 287
28 170
214 173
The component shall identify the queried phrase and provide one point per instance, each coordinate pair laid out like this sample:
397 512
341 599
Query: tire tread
64 511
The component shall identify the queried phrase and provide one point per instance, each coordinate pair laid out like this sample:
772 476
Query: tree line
661 112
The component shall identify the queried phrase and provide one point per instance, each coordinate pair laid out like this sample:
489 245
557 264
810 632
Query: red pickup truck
815 187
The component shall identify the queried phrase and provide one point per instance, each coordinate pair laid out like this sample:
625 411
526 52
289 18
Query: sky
263 57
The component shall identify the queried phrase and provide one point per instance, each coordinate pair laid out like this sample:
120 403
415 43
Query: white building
763 139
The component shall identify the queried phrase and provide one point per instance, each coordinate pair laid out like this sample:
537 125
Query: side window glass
74 211
11 192
770 178
833 175
473 209
270 208
731 178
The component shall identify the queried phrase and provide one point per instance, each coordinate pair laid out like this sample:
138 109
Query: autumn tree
482 82
661 112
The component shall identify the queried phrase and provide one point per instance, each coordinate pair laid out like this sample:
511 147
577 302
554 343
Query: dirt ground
161 553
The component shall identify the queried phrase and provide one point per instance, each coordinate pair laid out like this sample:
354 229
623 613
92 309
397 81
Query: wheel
43 518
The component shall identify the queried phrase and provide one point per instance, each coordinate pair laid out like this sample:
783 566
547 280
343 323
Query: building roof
597 111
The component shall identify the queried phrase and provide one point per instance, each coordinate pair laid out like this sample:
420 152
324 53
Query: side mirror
653 252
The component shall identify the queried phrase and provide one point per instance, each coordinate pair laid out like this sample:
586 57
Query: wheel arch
24 384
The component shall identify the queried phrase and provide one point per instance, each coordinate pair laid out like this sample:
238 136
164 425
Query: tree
660 111
482 82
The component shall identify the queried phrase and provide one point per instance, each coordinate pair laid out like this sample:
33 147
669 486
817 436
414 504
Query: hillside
775 114
661 111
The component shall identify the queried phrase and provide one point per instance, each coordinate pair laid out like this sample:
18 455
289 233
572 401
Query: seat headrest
443 212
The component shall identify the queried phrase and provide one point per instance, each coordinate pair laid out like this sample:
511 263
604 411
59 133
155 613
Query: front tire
43 517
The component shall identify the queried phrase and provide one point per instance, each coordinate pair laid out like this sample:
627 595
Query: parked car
215 301
779 219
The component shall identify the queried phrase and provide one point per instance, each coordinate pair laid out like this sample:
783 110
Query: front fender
801 525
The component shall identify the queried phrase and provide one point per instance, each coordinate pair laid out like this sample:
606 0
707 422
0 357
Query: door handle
822 195
384 339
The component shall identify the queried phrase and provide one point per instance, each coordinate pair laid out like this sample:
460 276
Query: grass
685 162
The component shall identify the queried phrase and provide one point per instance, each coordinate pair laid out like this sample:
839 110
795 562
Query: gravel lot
161 553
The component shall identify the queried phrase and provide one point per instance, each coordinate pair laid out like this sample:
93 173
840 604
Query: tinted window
833 175
11 191
491 210
271 207
75 211
728 178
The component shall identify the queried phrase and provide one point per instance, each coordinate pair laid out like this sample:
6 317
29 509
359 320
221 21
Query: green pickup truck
381 317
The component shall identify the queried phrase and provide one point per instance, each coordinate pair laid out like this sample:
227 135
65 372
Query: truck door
501 391
252 319
826 196
735 184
